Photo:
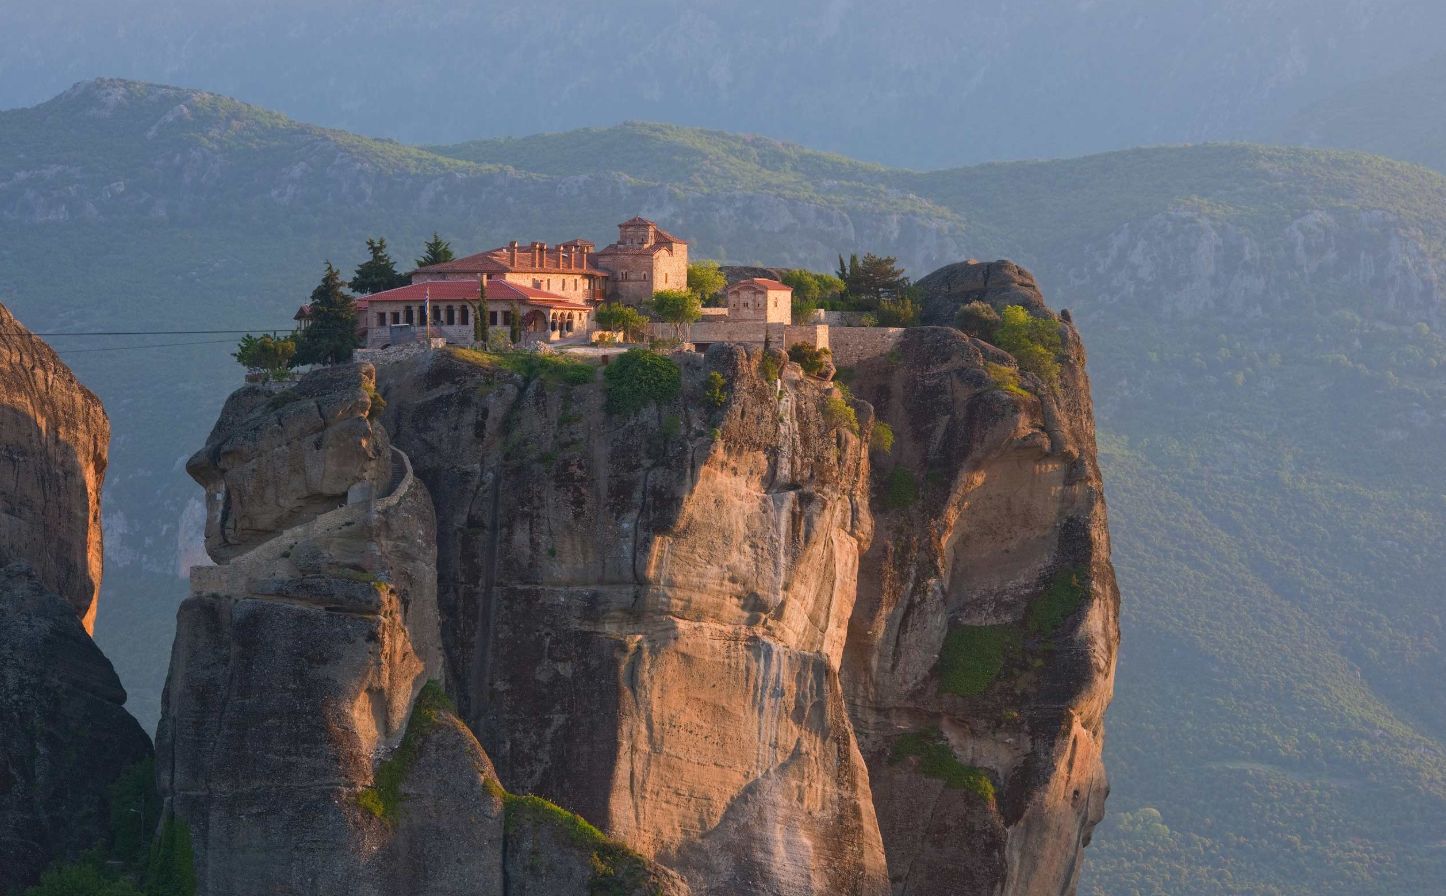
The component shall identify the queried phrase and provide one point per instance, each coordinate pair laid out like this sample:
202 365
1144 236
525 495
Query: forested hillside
1265 334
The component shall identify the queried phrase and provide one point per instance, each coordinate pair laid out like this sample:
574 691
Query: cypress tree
378 272
480 332
331 336
436 251
516 333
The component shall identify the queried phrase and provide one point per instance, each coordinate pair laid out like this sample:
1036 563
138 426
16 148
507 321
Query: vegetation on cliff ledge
1061 599
936 759
640 378
973 656
616 869
383 798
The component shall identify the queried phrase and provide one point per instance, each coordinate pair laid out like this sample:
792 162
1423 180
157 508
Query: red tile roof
763 282
497 261
466 291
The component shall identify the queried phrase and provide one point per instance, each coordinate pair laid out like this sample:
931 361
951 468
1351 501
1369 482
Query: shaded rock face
65 735
54 437
981 656
275 459
300 743
997 283
644 616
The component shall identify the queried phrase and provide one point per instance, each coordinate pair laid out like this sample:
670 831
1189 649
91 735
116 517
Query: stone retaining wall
851 345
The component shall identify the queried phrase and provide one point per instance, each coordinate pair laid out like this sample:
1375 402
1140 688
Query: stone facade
645 259
851 345
760 299
398 316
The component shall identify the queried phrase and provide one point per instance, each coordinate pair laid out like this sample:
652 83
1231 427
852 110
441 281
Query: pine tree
436 251
331 336
377 273
480 333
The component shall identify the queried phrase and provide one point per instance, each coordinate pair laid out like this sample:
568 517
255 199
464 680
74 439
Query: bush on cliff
936 759
808 357
639 378
1033 341
978 319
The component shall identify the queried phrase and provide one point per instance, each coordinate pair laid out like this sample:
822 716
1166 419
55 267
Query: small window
462 316
451 316
396 317
492 318
507 318
381 318
407 313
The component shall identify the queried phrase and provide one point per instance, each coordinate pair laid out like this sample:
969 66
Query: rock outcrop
54 436
301 743
703 604
981 657
65 736
645 614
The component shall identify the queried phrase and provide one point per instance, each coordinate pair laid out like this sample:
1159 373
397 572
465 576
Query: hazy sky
924 83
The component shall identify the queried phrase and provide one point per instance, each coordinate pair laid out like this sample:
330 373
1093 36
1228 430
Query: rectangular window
462 316
407 313
492 318
451 316
396 317
381 318
507 318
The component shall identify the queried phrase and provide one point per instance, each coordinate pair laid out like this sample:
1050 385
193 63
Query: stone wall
851 345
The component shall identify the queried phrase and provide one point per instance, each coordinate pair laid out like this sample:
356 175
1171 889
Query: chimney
512 253
538 254
564 257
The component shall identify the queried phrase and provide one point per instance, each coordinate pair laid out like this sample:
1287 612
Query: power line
121 348
155 332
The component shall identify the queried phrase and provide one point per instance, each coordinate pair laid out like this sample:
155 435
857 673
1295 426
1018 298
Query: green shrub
811 359
550 368
898 312
937 760
1061 599
978 319
716 393
1033 341
1006 378
81 879
901 489
639 378
881 438
839 414
384 797
770 367
973 656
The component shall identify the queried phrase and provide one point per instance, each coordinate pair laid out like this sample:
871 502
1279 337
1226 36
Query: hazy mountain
1264 328
912 82
1401 115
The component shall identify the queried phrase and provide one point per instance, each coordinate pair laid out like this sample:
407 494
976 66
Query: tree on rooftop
677 307
331 336
706 280
378 272
436 251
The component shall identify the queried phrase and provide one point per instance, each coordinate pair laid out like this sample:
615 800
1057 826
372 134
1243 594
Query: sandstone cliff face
644 616
981 657
300 743
53 441
763 658
65 736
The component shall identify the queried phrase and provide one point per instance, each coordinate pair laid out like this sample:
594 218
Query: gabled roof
763 282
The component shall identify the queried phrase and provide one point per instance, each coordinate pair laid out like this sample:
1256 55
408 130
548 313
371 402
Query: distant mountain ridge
1264 327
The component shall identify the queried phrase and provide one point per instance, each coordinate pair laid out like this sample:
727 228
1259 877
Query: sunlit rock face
54 439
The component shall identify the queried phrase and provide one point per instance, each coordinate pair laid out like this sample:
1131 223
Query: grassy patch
901 489
384 797
936 760
616 870
1061 599
973 656
553 369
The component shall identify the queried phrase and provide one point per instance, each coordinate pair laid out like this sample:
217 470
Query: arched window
462 316
451 316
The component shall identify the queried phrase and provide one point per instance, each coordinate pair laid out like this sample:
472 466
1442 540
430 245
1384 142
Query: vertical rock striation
54 437
304 743
65 736
981 657
645 615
